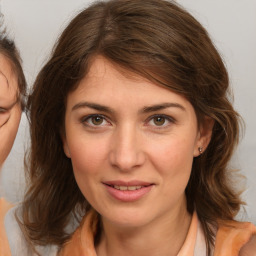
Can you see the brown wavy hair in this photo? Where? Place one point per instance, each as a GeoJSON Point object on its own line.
{"type": "Point", "coordinates": [161, 42]}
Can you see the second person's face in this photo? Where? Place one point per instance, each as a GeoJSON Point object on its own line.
{"type": "Point", "coordinates": [10, 109]}
{"type": "Point", "coordinates": [131, 144]}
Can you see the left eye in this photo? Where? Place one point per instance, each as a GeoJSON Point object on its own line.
{"type": "Point", "coordinates": [95, 120]}
{"type": "Point", "coordinates": [160, 121]}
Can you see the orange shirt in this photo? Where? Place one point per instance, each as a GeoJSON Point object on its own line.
{"type": "Point", "coordinates": [4, 246]}
{"type": "Point", "coordinates": [232, 239]}
{"type": "Point", "coordinates": [229, 239]}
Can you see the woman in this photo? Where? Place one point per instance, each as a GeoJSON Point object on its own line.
{"type": "Point", "coordinates": [12, 90]}
{"type": "Point", "coordinates": [131, 132]}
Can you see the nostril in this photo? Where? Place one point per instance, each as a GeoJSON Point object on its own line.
{"type": "Point", "coordinates": [127, 160]}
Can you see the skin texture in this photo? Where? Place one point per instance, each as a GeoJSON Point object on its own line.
{"type": "Point", "coordinates": [10, 109]}
{"type": "Point", "coordinates": [128, 143]}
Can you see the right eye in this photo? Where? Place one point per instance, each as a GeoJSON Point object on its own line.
{"type": "Point", "coordinates": [95, 121]}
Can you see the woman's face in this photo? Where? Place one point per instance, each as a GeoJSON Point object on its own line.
{"type": "Point", "coordinates": [10, 110]}
{"type": "Point", "coordinates": [131, 144]}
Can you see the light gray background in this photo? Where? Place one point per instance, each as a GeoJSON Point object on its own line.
{"type": "Point", "coordinates": [35, 25]}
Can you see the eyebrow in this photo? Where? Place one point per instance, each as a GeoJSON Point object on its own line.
{"type": "Point", "coordinates": [162, 106]}
{"type": "Point", "coordinates": [95, 106]}
{"type": "Point", "coordinates": [146, 109]}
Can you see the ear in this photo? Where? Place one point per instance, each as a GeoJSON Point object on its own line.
{"type": "Point", "coordinates": [204, 135]}
{"type": "Point", "coordinates": [65, 144]}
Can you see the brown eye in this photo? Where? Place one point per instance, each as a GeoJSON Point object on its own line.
{"type": "Point", "coordinates": [159, 120]}
{"type": "Point", "coordinates": [97, 120]}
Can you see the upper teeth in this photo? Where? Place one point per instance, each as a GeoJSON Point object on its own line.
{"type": "Point", "coordinates": [127, 187]}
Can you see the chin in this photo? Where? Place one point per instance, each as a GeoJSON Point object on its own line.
{"type": "Point", "coordinates": [127, 218]}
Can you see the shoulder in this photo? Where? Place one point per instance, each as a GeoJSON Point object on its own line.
{"type": "Point", "coordinates": [249, 249]}
{"type": "Point", "coordinates": [17, 241]}
{"type": "Point", "coordinates": [14, 234]}
{"type": "Point", "coordinates": [4, 207]}
{"type": "Point", "coordinates": [236, 238]}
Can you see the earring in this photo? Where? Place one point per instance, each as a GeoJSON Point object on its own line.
{"type": "Point", "coordinates": [200, 149]}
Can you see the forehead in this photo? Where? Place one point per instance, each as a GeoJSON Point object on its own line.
{"type": "Point", "coordinates": [109, 84]}
{"type": "Point", "coordinates": [6, 67]}
{"type": "Point", "coordinates": [8, 81]}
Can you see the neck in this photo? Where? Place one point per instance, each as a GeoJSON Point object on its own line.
{"type": "Point", "coordinates": [163, 236]}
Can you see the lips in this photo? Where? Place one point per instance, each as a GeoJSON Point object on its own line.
{"type": "Point", "coordinates": [128, 191]}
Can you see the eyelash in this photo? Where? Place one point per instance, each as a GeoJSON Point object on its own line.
{"type": "Point", "coordinates": [170, 120]}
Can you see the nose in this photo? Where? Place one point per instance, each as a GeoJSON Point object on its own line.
{"type": "Point", "coordinates": [127, 151]}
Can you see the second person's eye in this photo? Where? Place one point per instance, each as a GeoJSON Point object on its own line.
{"type": "Point", "coordinates": [2, 110]}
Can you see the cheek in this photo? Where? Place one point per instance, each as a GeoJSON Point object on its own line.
{"type": "Point", "coordinates": [87, 155]}
{"type": "Point", "coordinates": [6, 145]}
{"type": "Point", "coordinates": [3, 118]}
{"type": "Point", "coordinates": [8, 133]}
{"type": "Point", "coordinates": [173, 155]}
{"type": "Point", "coordinates": [173, 161]}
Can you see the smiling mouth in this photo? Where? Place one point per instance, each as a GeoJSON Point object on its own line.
{"type": "Point", "coordinates": [125, 188]}
{"type": "Point", "coordinates": [128, 191]}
